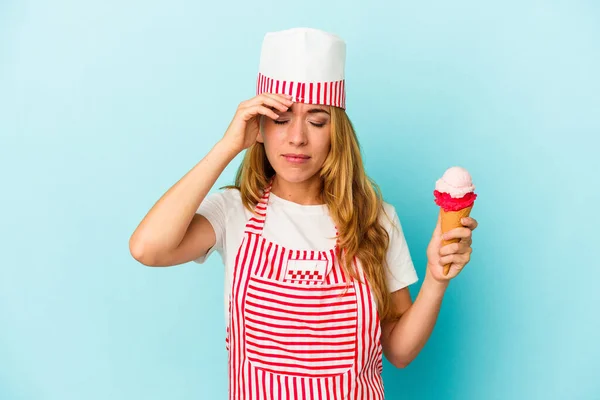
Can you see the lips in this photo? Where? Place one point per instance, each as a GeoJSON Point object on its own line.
{"type": "Point", "coordinates": [296, 158]}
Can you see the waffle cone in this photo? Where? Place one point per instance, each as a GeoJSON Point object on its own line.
{"type": "Point", "coordinates": [451, 220]}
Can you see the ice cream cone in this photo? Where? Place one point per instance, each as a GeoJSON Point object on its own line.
{"type": "Point", "coordinates": [455, 194]}
{"type": "Point", "coordinates": [451, 220]}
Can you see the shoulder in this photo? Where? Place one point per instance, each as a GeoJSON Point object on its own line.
{"type": "Point", "coordinates": [227, 194]}
{"type": "Point", "coordinates": [222, 205]}
{"type": "Point", "coordinates": [389, 219]}
{"type": "Point", "coordinates": [224, 198]}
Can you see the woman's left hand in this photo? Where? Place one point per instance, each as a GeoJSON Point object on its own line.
{"type": "Point", "coordinates": [456, 254]}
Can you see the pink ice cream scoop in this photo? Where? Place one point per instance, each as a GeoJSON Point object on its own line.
{"type": "Point", "coordinates": [454, 191]}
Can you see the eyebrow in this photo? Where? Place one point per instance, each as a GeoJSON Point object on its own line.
{"type": "Point", "coordinates": [311, 111]}
{"type": "Point", "coordinates": [317, 110]}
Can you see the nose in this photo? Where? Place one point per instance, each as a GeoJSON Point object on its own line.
{"type": "Point", "coordinates": [296, 133]}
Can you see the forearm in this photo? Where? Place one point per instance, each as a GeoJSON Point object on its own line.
{"type": "Point", "coordinates": [165, 225]}
{"type": "Point", "coordinates": [409, 334]}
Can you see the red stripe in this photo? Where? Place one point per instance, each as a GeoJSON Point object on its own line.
{"type": "Point", "coordinates": [299, 92]}
{"type": "Point", "coordinates": [257, 227]}
{"type": "Point", "coordinates": [238, 322]}
{"type": "Point", "coordinates": [234, 361]}
{"type": "Point", "coordinates": [318, 92]}
{"type": "Point", "coordinates": [271, 85]}
{"type": "Point", "coordinates": [302, 351]}
{"type": "Point", "coordinates": [363, 335]}
{"type": "Point", "coordinates": [303, 92]}
{"type": "Point", "coordinates": [261, 254]}
{"type": "Point", "coordinates": [256, 385]}
{"type": "Point", "coordinates": [291, 88]}
{"type": "Point", "coordinates": [295, 296]}
{"type": "Point", "coordinates": [250, 245]}
{"type": "Point", "coordinates": [248, 375]}
{"type": "Point", "coordinates": [301, 328]}
{"type": "Point", "coordinates": [335, 271]}
{"type": "Point", "coordinates": [272, 386]}
{"type": "Point", "coordinates": [279, 269]}
{"type": "Point", "coordinates": [277, 87]}
{"type": "Point", "coordinates": [299, 307]}
{"type": "Point", "coordinates": [278, 384]}
{"type": "Point", "coordinates": [267, 258]}
{"type": "Point", "coordinates": [305, 335]}
{"type": "Point", "coordinates": [264, 281]}
{"type": "Point", "coordinates": [335, 94]}
{"type": "Point", "coordinates": [250, 335]}
{"type": "Point", "coordinates": [269, 356]}
{"type": "Point", "coordinates": [275, 252]}
{"type": "Point", "coordinates": [310, 93]}
{"type": "Point", "coordinates": [277, 373]}
{"type": "Point", "coordinates": [283, 89]}
{"type": "Point", "coordinates": [260, 221]}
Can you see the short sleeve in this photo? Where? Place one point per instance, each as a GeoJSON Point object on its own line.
{"type": "Point", "coordinates": [213, 208]}
{"type": "Point", "coordinates": [400, 271]}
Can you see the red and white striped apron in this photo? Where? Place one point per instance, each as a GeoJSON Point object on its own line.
{"type": "Point", "coordinates": [296, 330]}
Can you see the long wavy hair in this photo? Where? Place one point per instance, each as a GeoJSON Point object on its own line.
{"type": "Point", "coordinates": [354, 201]}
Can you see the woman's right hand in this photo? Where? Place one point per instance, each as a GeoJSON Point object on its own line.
{"type": "Point", "coordinates": [245, 125]}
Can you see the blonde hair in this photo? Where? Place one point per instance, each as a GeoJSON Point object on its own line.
{"type": "Point", "coordinates": [353, 199]}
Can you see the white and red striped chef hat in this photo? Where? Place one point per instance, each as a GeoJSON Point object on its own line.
{"type": "Point", "coordinates": [305, 63]}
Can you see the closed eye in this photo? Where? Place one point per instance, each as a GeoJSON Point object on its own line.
{"type": "Point", "coordinates": [316, 124]}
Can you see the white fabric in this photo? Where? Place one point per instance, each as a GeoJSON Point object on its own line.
{"type": "Point", "coordinates": [297, 226]}
{"type": "Point", "coordinates": [303, 55]}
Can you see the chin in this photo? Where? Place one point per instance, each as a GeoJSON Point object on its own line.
{"type": "Point", "coordinates": [296, 176]}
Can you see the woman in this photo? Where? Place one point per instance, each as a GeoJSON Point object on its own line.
{"type": "Point", "coordinates": [317, 267]}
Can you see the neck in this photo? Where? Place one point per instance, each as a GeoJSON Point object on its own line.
{"type": "Point", "coordinates": [304, 193]}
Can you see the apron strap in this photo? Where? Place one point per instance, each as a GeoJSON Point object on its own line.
{"type": "Point", "coordinates": [256, 222]}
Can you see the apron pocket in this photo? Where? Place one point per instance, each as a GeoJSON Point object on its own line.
{"type": "Point", "coordinates": [300, 330]}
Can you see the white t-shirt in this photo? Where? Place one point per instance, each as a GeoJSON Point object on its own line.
{"type": "Point", "coordinates": [297, 226]}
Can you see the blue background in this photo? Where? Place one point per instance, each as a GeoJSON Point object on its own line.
{"type": "Point", "coordinates": [105, 104]}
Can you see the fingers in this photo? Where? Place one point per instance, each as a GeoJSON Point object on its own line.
{"type": "Point", "coordinates": [456, 248]}
{"type": "Point", "coordinates": [458, 233]}
{"type": "Point", "coordinates": [470, 223]}
{"type": "Point", "coordinates": [253, 111]}
{"type": "Point", "coordinates": [280, 102]}
{"type": "Point", "coordinates": [457, 260]}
